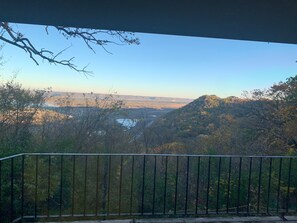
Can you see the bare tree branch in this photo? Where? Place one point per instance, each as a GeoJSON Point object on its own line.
{"type": "Point", "coordinates": [89, 36]}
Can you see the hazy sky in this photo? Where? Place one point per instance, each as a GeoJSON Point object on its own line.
{"type": "Point", "coordinates": [162, 65]}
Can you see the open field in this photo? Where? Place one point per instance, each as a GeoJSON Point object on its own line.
{"type": "Point", "coordinates": [130, 101]}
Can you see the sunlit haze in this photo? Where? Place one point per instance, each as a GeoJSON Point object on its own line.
{"type": "Point", "coordinates": [162, 65]}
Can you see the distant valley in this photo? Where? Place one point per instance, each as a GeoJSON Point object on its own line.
{"type": "Point", "coordinates": [129, 101]}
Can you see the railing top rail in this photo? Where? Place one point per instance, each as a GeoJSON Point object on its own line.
{"type": "Point", "coordinates": [12, 156]}
{"type": "Point", "coordinates": [151, 154]}
{"type": "Point", "coordinates": [143, 154]}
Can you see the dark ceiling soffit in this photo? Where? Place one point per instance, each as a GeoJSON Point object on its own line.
{"type": "Point", "coordinates": [257, 20]}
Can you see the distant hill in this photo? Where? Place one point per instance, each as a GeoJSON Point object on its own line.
{"type": "Point", "coordinates": [200, 116]}
{"type": "Point", "coordinates": [130, 101]}
{"type": "Point", "coordinates": [212, 125]}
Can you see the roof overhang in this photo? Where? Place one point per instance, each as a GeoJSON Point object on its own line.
{"type": "Point", "coordinates": [257, 20]}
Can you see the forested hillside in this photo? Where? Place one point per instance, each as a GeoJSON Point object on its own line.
{"type": "Point", "coordinates": [264, 122]}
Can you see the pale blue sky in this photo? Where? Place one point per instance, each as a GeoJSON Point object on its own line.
{"type": "Point", "coordinates": [162, 65]}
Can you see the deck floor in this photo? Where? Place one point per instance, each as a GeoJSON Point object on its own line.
{"type": "Point", "coordinates": [271, 219]}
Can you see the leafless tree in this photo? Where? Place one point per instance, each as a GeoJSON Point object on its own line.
{"type": "Point", "coordinates": [91, 37]}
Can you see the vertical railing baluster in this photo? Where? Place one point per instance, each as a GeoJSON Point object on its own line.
{"type": "Point", "coordinates": [259, 186]}
{"type": "Point", "coordinates": [49, 186]}
{"type": "Point", "coordinates": [97, 185]}
{"type": "Point", "coordinates": [154, 184]}
{"type": "Point", "coordinates": [143, 185]}
{"type": "Point", "coordinates": [108, 186]}
{"type": "Point", "coordinates": [61, 184]}
{"type": "Point", "coordinates": [208, 185]}
{"type": "Point", "coordinates": [12, 190]}
{"type": "Point", "coordinates": [269, 186]}
{"type": "Point", "coordinates": [279, 183]}
{"type": "Point", "coordinates": [218, 186]}
{"type": "Point", "coordinates": [295, 186]}
{"type": "Point", "coordinates": [197, 185]}
{"type": "Point", "coordinates": [228, 190]}
{"type": "Point", "coordinates": [36, 186]}
{"type": "Point", "coordinates": [85, 184]}
{"type": "Point", "coordinates": [187, 185]}
{"type": "Point", "coordinates": [120, 189]}
{"type": "Point", "coordinates": [73, 184]}
{"type": "Point", "coordinates": [132, 182]}
{"type": "Point", "coordinates": [1, 205]}
{"type": "Point", "coordinates": [22, 187]}
{"type": "Point", "coordinates": [165, 185]}
{"type": "Point", "coordinates": [288, 189]}
{"type": "Point", "coordinates": [176, 183]}
{"type": "Point", "coordinates": [249, 186]}
{"type": "Point", "coordinates": [238, 187]}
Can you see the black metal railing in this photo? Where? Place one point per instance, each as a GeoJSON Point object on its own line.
{"type": "Point", "coordinates": [90, 186]}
